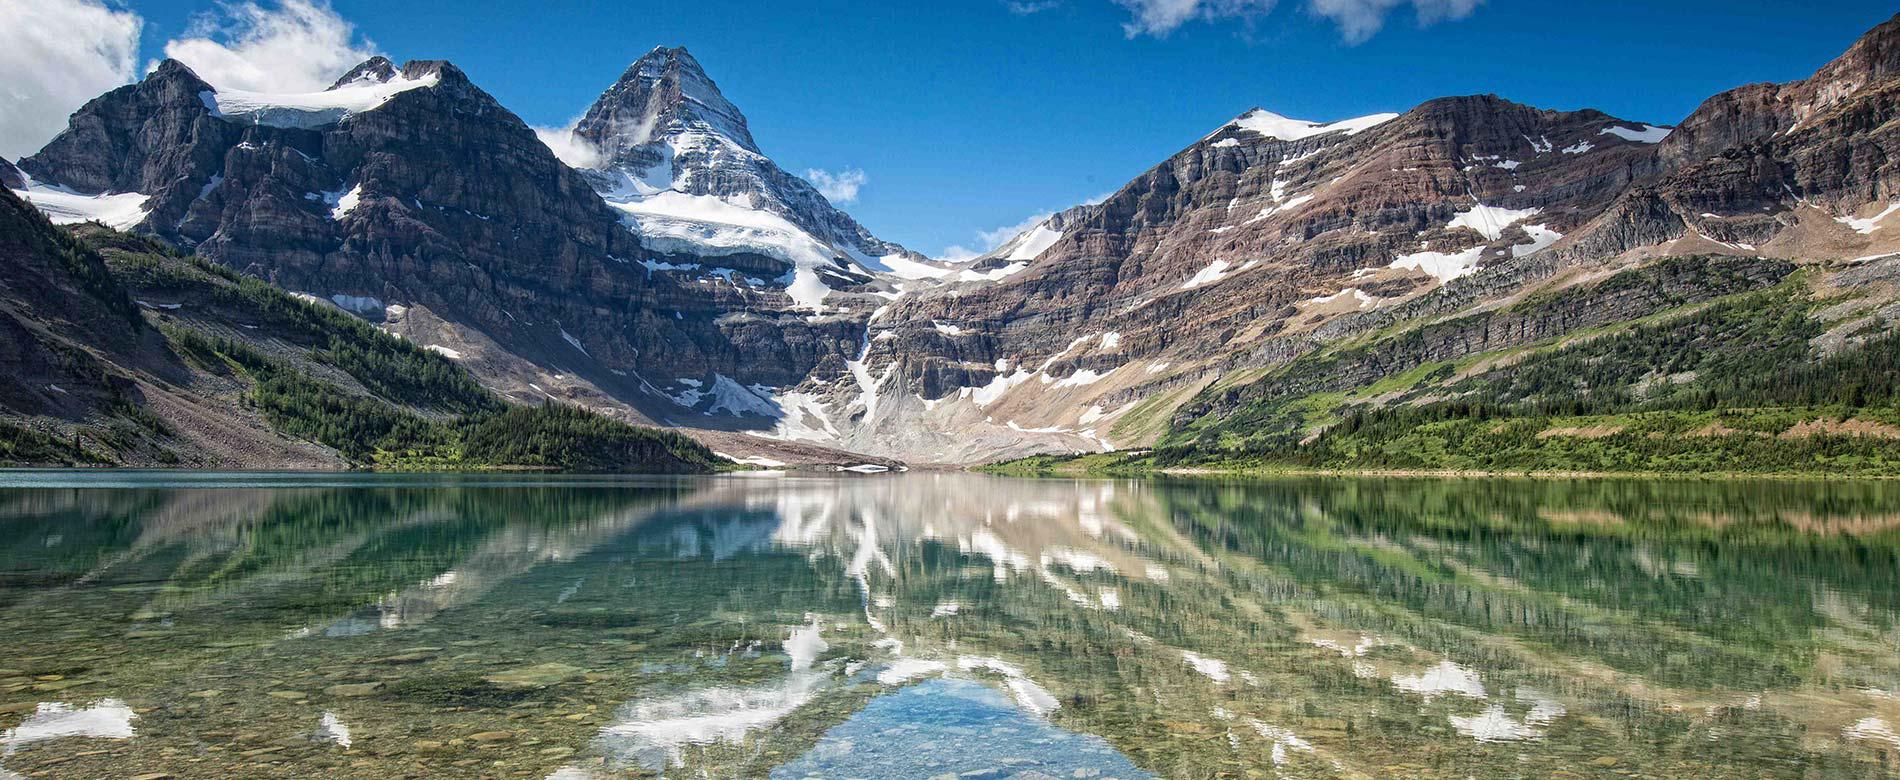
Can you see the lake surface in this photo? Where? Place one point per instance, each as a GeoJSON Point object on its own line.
{"type": "Point", "coordinates": [949, 625]}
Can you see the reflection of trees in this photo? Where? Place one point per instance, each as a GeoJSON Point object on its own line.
{"type": "Point", "coordinates": [1336, 625]}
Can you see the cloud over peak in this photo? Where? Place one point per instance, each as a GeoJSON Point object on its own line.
{"type": "Point", "coordinates": [58, 54]}
{"type": "Point", "coordinates": [296, 46]}
{"type": "Point", "coordinates": [841, 187]}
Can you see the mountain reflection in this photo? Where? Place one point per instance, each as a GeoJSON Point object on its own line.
{"type": "Point", "coordinates": [728, 627]}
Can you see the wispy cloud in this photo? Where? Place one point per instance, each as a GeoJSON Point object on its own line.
{"type": "Point", "coordinates": [1158, 18]}
{"type": "Point", "coordinates": [1027, 7]}
{"type": "Point", "coordinates": [56, 55]}
{"type": "Point", "coordinates": [841, 187]}
{"type": "Point", "coordinates": [1358, 20]}
{"type": "Point", "coordinates": [572, 149]}
{"type": "Point", "coordinates": [297, 46]}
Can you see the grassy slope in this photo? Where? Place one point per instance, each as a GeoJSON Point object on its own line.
{"type": "Point", "coordinates": [1727, 385]}
{"type": "Point", "coordinates": [317, 374]}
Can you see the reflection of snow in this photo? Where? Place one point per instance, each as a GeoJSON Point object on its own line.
{"type": "Point", "coordinates": [1496, 725]}
{"type": "Point", "coordinates": [1028, 694]}
{"type": "Point", "coordinates": [1365, 645]}
{"type": "Point", "coordinates": [1872, 729]}
{"type": "Point", "coordinates": [656, 732]}
{"type": "Point", "coordinates": [1283, 740]}
{"type": "Point", "coordinates": [108, 719]}
{"type": "Point", "coordinates": [1446, 677]}
{"type": "Point", "coordinates": [332, 729]}
{"type": "Point", "coordinates": [1214, 668]}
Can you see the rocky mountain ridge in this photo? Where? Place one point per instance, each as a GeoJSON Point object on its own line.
{"type": "Point", "coordinates": [669, 272]}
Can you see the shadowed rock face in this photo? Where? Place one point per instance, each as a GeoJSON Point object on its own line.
{"type": "Point", "coordinates": [10, 177]}
{"type": "Point", "coordinates": [439, 213]}
{"type": "Point", "coordinates": [438, 201]}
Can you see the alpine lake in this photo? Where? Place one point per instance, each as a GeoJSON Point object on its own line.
{"type": "Point", "coordinates": [939, 626]}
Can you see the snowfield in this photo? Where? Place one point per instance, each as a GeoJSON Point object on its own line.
{"type": "Point", "coordinates": [309, 110]}
{"type": "Point", "coordinates": [120, 211]}
{"type": "Point", "coordinates": [1273, 125]}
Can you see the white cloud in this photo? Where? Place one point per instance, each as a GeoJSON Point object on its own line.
{"type": "Point", "coordinates": [1160, 17]}
{"type": "Point", "coordinates": [958, 253]}
{"type": "Point", "coordinates": [841, 187]}
{"type": "Point", "coordinates": [572, 149]}
{"type": "Point", "coordinates": [1027, 7]}
{"type": "Point", "coordinates": [1359, 20]}
{"type": "Point", "coordinates": [58, 54]}
{"type": "Point", "coordinates": [299, 46]}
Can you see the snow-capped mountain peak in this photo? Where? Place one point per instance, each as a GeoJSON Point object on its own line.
{"type": "Point", "coordinates": [676, 157]}
{"type": "Point", "coordinates": [1272, 125]}
{"type": "Point", "coordinates": [662, 98]}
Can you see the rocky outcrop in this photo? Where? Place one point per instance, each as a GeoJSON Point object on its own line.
{"type": "Point", "coordinates": [1758, 111]}
{"type": "Point", "coordinates": [10, 177]}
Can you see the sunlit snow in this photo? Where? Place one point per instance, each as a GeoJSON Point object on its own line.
{"type": "Point", "coordinates": [1273, 125]}
{"type": "Point", "coordinates": [63, 206]}
{"type": "Point", "coordinates": [309, 110]}
{"type": "Point", "coordinates": [1650, 134]}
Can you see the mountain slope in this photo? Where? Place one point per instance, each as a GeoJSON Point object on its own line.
{"type": "Point", "coordinates": [123, 353]}
{"type": "Point", "coordinates": [666, 270]}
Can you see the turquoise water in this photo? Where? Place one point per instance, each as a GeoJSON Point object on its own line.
{"type": "Point", "coordinates": [281, 625]}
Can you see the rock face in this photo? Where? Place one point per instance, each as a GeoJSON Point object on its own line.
{"type": "Point", "coordinates": [664, 268]}
{"type": "Point", "coordinates": [10, 177]}
{"type": "Point", "coordinates": [665, 127]}
{"type": "Point", "coordinates": [410, 197]}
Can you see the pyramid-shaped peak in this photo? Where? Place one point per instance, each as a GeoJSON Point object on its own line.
{"type": "Point", "coordinates": [377, 69]}
{"type": "Point", "coordinates": [664, 94]}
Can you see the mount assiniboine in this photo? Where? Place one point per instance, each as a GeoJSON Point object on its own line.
{"type": "Point", "coordinates": [662, 269]}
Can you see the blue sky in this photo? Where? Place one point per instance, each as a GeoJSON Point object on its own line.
{"type": "Point", "coordinates": [969, 115]}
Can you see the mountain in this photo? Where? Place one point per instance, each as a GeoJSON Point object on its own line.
{"type": "Point", "coordinates": [1270, 281]}
{"type": "Point", "coordinates": [121, 352]}
{"type": "Point", "coordinates": [409, 197]}
{"type": "Point", "coordinates": [671, 152]}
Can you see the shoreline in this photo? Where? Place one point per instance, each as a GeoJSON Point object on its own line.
{"type": "Point", "coordinates": [1198, 472]}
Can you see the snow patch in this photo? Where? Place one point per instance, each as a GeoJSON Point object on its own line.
{"type": "Point", "coordinates": [1214, 272]}
{"type": "Point", "coordinates": [1273, 125]}
{"type": "Point", "coordinates": [1869, 225]}
{"type": "Point", "coordinates": [64, 206]}
{"type": "Point", "coordinates": [1033, 243]}
{"type": "Point", "coordinates": [1441, 265]}
{"type": "Point", "coordinates": [1650, 134]}
{"type": "Point", "coordinates": [309, 110]}
{"type": "Point", "coordinates": [342, 202]}
{"type": "Point", "coordinates": [1083, 377]}
{"type": "Point", "coordinates": [1490, 220]}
